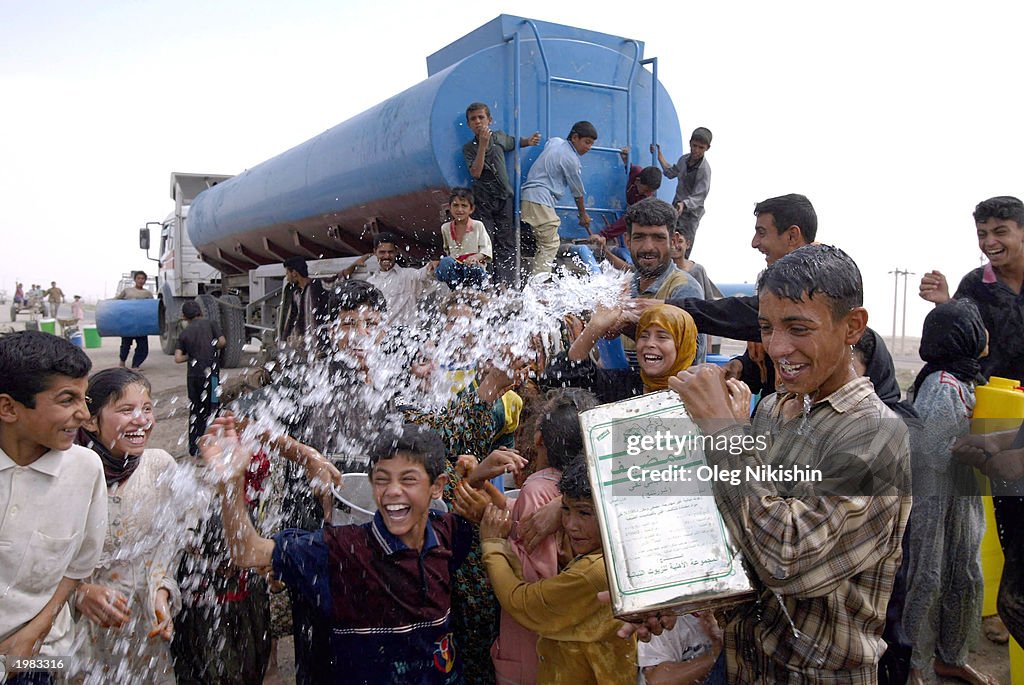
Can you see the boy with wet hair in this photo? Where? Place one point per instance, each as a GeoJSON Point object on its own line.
{"type": "Point", "coordinates": [385, 586]}
{"type": "Point", "coordinates": [694, 174]}
{"type": "Point", "coordinates": [47, 549]}
{"type": "Point", "coordinates": [825, 553]}
{"type": "Point", "coordinates": [578, 636]}
{"type": "Point", "coordinates": [554, 172]}
{"type": "Point", "coordinates": [485, 159]}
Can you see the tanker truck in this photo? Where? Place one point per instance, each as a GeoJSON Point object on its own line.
{"type": "Point", "coordinates": [390, 168]}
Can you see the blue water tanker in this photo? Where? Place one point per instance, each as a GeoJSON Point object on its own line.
{"type": "Point", "coordinates": [390, 167]}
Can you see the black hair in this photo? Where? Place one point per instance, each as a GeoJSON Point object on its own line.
{"type": "Point", "coordinates": [353, 294]}
{"type": "Point", "coordinates": [651, 212]}
{"type": "Point", "coordinates": [30, 359]}
{"type": "Point", "coordinates": [385, 237]}
{"type": "Point", "coordinates": [191, 310]}
{"type": "Point", "coordinates": [650, 176]}
{"type": "Point", "coordinates": [140, 272]}
{"type": "Point", "coordinates": [575, 482]}
{"type": "Point", "coordinates": [474, 299]}
{"type": "Point", "coordinates": [701, 135]}
{"type": "Point", "coordinates": [1000, 207]}
{"type": "Point", "coordinates": [474, 106]}
{"type": "Point", "coordinates": [559, 423]}
{"type": "Point", "coordinates": [812, 270]}
{"type": "Point", "coordinates": [297, 264]}
{"type": "Point", "coordinates": [791, 210]}
{"type": "Point", "coordinates": [420, 444]}
{"type": "Point", "coordinates": [109, 385]}
{"type": "Point", "coordinates": [865, 348]}
{"type": "Point", "coordinates": [464, 193]}
{"type": "Point", "coordinates": [583, 129]}
{"type": "Point", "coordinates": [687, 229]}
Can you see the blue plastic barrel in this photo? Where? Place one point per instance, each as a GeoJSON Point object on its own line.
{"type": "Point", "coordinates": [127, 318]}
{"type": "Point", "coordinates": [78, 339]}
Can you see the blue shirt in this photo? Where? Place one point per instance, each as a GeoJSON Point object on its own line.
{"type": "Point", "coordinates": [556, 170]}
{"type": "Point", "coordinates": [387, 606]}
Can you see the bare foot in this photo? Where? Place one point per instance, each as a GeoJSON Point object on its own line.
{"type": "Point", "coordinates": [995, 630]}
{"type": "Point", "coordinates": [966, 673]}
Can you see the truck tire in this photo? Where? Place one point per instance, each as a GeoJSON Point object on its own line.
{"type": "Point", "coordinates": [170, 322]}
{"type": "Point", "coordinates": [232, 326]}
{"type": "Point", "coordinates": [210, 307]}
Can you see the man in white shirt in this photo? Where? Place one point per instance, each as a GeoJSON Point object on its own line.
{"type": "Point", "coordinates": [403, 288]}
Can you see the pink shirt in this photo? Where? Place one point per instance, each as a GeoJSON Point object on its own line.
{"type": "Point", "coordinates": [514, 653]}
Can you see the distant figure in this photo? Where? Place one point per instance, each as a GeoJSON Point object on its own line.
{"type": "Point", "coordinates": [19, 294]}
{"type": "Point", "coordinates": [136, 292]}
{"type": "Point", "coordinates": [77, 310]}
{"type": "Point", "coordinates": [555, 171]}
{"type": "Point", "coordinates": [54, 297]}
{"type": "Point", "coordinates": [694, 174]}
{"type": "Point", "coordinates": [199, 345]}
{"type": "Point", "coordinates": [303, 301]}
{"type": "Point", "coordinates": [485, 158]}
{"type": "Point", "coordinates": [641, 183]}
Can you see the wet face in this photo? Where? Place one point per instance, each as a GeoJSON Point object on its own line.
{"type": "Point", "coordinates": [403, 490]}
{"type": "Point", "coordinates": [460, 209]}
{"type": "Point", "coordinates": [124, 424]}
{"type": "Point", "coordinates": [580, 524]}
{"type": "Point", "coordinates": [650, 249]}
{"type": "Point", "coordinates": [479, 120]}
{"type": "Point", "coordinates": [59, 412]}
{"type": "Point", "coordinates": [769, 242]}
{"type": "Point", "coordinates": [697, 150]}
{"type": "Point", "coordinates": [1001, 241]}
{"type": "Point", "coordinates": [810, 350]}
{"type": "Point", "coordinates": [140, 281]}
{"type": "Point", "coordinates": [386, 254]}
{"type": "Point", "coordinates": [581, 143]}
{"type": "Point", "coordinates": [655, 350]}
{"type": "Point", "coordinates": [356, 332]}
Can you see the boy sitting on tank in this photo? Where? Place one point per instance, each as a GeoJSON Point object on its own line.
{"type": "Point", "coordinates": [384, 587]}
{"type": "Point", "coordinates": [485, 158]}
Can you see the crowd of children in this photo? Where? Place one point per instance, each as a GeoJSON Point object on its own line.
{"type": "Point", "coordinates": [143, 568]}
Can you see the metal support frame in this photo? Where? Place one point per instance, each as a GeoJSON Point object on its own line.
{"type": "Point", "coordinates": [548, 80]}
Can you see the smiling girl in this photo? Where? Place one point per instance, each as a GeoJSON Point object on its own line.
{"type": "Point", "coordinates": [128, 603]}
{"type": "Point", "coordinates": [666, 343]}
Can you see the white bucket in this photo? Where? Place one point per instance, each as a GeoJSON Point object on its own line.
{"type": "Point", "coordinates": [354, 503]}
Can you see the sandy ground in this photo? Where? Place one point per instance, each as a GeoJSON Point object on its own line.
{"type": "Point", "coordinates": [168, 381]}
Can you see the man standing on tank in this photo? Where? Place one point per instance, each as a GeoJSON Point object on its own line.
{"type": "Point", "coordinates": [492, 191]}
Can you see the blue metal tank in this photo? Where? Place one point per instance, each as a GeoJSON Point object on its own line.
{"type": "Point", "coordinates": [390, 167]}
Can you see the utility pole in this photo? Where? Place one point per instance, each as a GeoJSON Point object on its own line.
{"type": "Point", "coordinates": [903, 335]}
{"type": "Point", "coordinates": [895, 303]}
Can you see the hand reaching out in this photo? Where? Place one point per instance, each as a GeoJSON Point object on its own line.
{"type": "Point", "coordinates": [102, 605]}
{"type": "Point", "coordinates": [496, 523]}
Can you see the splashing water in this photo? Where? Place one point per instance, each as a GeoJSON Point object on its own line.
{"type": "Point", "coordinates": [805, 416]}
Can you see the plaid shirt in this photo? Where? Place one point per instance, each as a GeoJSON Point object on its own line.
{"type": "Point", "coordinates": [825, 562]}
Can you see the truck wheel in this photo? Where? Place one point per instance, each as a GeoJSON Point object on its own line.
{"type": "Point", "coordinates": [232, 322]}
{"type": "Point", "coordinates": [170, 322]}
{"type": "Point", "coordinates": [210, 307]}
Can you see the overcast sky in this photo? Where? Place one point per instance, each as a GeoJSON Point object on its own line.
{"type": "Point", "coordinates": [895, 118]}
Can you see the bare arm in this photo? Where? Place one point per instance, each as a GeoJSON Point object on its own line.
{"type": "Point", "coordinates": [600, 323]}
{"type": "Point", "coordinates": [227, 459]}
{"type": "Point", "coordinates": [483, 140]}
{"type": "Point", "coordinates": [27, 640]}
